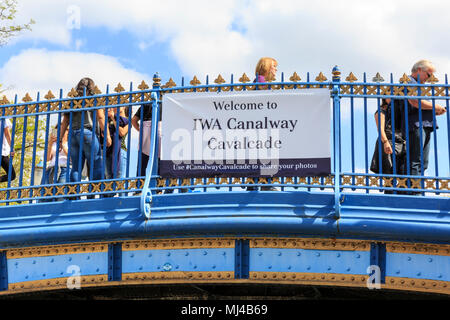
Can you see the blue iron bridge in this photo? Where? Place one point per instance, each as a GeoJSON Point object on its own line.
{"type": "Point", "coordinates": [352, 228]}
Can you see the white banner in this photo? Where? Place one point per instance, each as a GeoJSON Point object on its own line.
{"type": "Point", "coordinates": [246, 133]}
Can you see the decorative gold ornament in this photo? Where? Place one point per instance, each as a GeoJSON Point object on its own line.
{"type": "Point", "coordinates": [27, 98]}
{"type": "Point", "coordinates": [219, 80]}
{"type": "Point", "coordinates": [351, 77]}
{"type": "Point", "coordinates": [432, 79]}
{"type": "Point", "coordinates": [404, 78]}
{"type": "Point", "coordinates": [49, 95]}
{"type": "Point", "coordinates": [144, 86]}
{"type": "Point", "coordinates": [119, 88]}
{"type": "Point", "coordinates": [295, 77]}
{"type": "Point", "coordinates": [244, 79]}
{"type": "Point", "coordinates": [194, 81]}
{"type": "Point", "coordinates": [72, 93]}
{"type": "Point", "coordinates": [321, 77]}
{"type": "Point", "coordinates": [169, 84]}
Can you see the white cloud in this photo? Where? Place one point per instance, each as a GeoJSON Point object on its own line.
{"type": "Point", "coordinates": [39, 70]}
{"type": "Point", "coordinates": [212, 37]}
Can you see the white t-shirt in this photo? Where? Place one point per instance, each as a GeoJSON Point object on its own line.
{"type": "Point", "coordinates": [62, 157]}
{"type": "Point", "coordinates": [6, 148]}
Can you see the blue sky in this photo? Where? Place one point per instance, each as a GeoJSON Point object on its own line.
{"type": "Point", "coordinates": [114, 41]}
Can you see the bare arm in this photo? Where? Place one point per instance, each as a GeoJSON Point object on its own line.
{"type": "Point", "coordinates": [123, 131]}
{"type": "Point", "coordinates": [384, 139]}
{"type": "Point", "coordinates": [64, 125]}
{"type": "Point", "coordinates": [135, 123]}
{"type": "Point", "coordinates": [101, 122]}
{"type": "Point", "coordinates": [50, 147]}
{"type": "Point", "coordinates": [427, 105]}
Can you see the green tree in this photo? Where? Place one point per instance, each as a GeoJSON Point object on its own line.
{"type": "Point", "coordinates": [7, 27]}
{"type": "Point", "coordinates": [29, 142]}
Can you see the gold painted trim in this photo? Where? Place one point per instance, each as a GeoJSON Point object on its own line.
{"type": "Point", "coordinates": [350, 181]}
{"type": "Point", "coordinates": [418, 248]}
{"type": "Point", "coordinates": [314, 279]}
{"type": "Point", "coordinates": [422, 285]}
{"type": "Point", "coordinates": [332, 279]}
{"type": "Point", "coordinates": [318, 244]}
{"type": "Point", "coordinates": [76, 189]}
{"type": "Point", "coordinates": [56, 250]}
{"type": "Point", "coordinates": [178, 244]}
{"type": "Point", "coordinates": [53, 284]}
{"type": "Point", "coordinates": [180, 276]}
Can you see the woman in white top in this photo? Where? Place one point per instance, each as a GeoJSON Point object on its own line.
{"type": "Point", "coordinates": [7, 154]}
{"type": "Point", "coordinates": [49, 175]}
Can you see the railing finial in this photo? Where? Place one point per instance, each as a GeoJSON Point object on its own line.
{"type": "Point", "coordinates": [336, 74]}
{"type": "Point", "coordinates": [156, 81]}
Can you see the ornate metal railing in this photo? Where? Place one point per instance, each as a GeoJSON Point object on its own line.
{"type": "Point", "coordinates": [354, 134]}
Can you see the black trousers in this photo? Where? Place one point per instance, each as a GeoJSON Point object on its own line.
{"type": "Point", "coordinates": [5, 166]}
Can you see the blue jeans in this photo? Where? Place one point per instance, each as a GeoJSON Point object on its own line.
{"type": "Point", "coordinates": [91, 147]}
{"type": "Point", "coordinates": [123, 163]}
{"type": "Point", "coordinates": [48, 178]}
{"type": "Point", "coordinates": [112, 166]}
{"type": "Point", "coordinates": [415, 149]}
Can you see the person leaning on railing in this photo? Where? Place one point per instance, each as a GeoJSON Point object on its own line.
{"type": "Point", "coordinates": [145, 124]}
{"type": "Point", "coordinates": [60, 169]}
{"type": "Point", "coordinates": [266, 70]}
{"type": "Point", "coordinates": [83, 135]}
{"type": "Point", "coordinates": [48, 176]}
{"type": "Point", "coordinates": [421, 72]}
{"type": "Point", "coordinates": [124, 112]}
{"type": "Point", "coordinates": [113, 151]}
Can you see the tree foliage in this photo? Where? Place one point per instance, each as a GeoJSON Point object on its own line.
{"type": "Point", "coordinates": [8, 28]}
{"type": "Point", "coordinates": [23, 134]}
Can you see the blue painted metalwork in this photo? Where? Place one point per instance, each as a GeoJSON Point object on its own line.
{"type": "Point", "coordinates": [115, 262]}
{"type": "Point", "coordinates": [418, 266]}
{"type": "Point", "coordinates": [242, 259]}
{"type": "Point", "coordinates": [177, 260]}
{"type": "Point", "coordinates": [309, 261]}
{"type": "Point", "coordinates": [3, 271]}
{"type": "Point", "coordinates": [378, 258]}
{"type": "Point", "coordinates": [57, 266]}
{"type": "Point", "coordinates": [152, 168]}
{"type": "Point", "coordinates": [337, 140]}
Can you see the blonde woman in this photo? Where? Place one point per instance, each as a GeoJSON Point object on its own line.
{"type": "Point", "coordinates": [266, 69]}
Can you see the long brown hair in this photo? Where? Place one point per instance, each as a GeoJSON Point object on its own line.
{"type": "Point", "coordinates": [88, 84]}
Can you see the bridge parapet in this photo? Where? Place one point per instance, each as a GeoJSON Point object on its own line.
{"type": "Point", "coordinates": [374, 213]}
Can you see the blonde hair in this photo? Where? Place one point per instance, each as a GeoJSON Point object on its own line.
{"type": "Point", "coordinates": [263, 66]}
